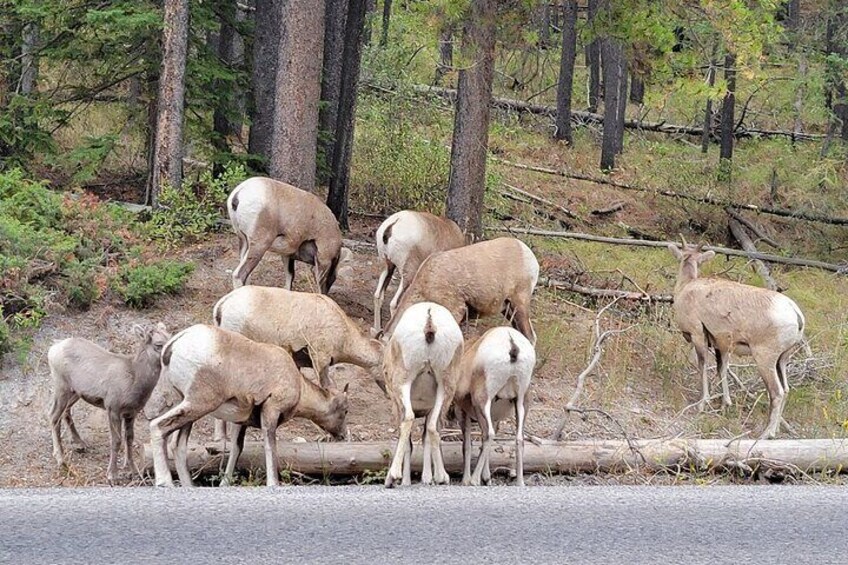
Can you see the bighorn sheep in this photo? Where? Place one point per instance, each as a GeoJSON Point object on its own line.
{"type": "Point", "coordinates": [223, 373]}
{"type": "Point", "coordinates": [270, 215]}
{"type": "Point", "coordinates": [495, 374]}
{"type": "Point", "coordinates": [312, 327]}
{"type": "Point", "coordinates": [404, 240]}
{"type": "Point", "coordinates": [482, 279]}
{"type": "Point", "coordinates": [119, 383]}
{"type": "Point", "coordinates": [420, 367]}
{"type": "Point", "coordinates": [736, 318]}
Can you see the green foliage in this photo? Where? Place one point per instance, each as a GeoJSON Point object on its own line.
{"type": "Point", "coordinates": [188, 214]}
{"type": "Point", "coordinates": [140, 285]}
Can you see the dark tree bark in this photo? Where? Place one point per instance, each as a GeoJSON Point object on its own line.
{"type": "Point", "coordinates": [298, 90]}
{"type": "Point", "coordinates": [708, 111]}
{"type": "Point", "coordinates": [593, 61]}
{"type": "Point", "coordinates": [566, 71]}
{"type": "Point", "coordinates": [369, 13]}
{"type": "Point", "coordinates": [445, 52]}
{"type": "Point", "coordinates": [222, 117]}
{"type": "Point", "coordinates": [837, 43]}
{"type": "Point", "coordinates": [637, 88]}
{"type": "Point", "coordinates": [728, 107]}
{"type": "Point", "coordinates": [263, 79]}
{"type": "Point", "coordinates": [337, 197]}
{"type": "Point", "coordinates": [331, 81]}
{"type": "Point", "coordinates": [793, 17]}
{"type": "Point", "coordinates": [545, 24]}
{"type": "Point", "coordinates": [471, 119]}
{"type": "Point", "coordinates": [29, 58]}
{"type": "Point", "coordinates": [615, 101]}
{"type": "Point", "coordinates": [168, 149]}
{"type": "Point", "coordinates": [387, 15]}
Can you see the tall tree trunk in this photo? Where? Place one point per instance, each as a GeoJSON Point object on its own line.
{"type": "Point", "coordinates": [593, 60]}
{"type": "Point", "coordinates": [263, 79]}
{"type": "Point", "coordinates": [337, 198]}
{"type": "Point", "coordinates": [222, 125]}
{"type": "Point", "coordinates": [838, 45]}
{"type": "Point", "coordinates": [793, 18]}
{"type": "Point", "coordinates": [369, 13]}
{"type": "Point", "coordinates": [387, 15]}
{"type": "Point", "coordinates": [708, 110]}
{"type": "Point", "coordinates": [728, 107]}
{"type": "Point", "coordinates": [471, 119]}
{"type": "Point", "coordinates": [544, 24]}
{"type": "Point", "coordinates": [301, 47]}
{"type": "Point", "coordinates": [151, 86]}
{"type": "Point", "coordinates": [637, 88]}
{"type": "Point", "coordinates": [29, 58]}
{"type": "Point", "coordinates": [615, 101]}
{"type": "Point", "coordinates": [445, 52]}
{"type": "Point", "coordinates": [335, 20]}
{"type": "Point", "coordinates": [168, 149]}
{"type": "Point", "coordinates": [566, 71]}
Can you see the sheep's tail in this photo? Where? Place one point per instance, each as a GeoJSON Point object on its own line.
{"type": "Point", "coordinates": [216, 311]}
{"type": "Point", "coordinates": [513, 350]}
{"type": "Point", "coordinates": [429, 328]}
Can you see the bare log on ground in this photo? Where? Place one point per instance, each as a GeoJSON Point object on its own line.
{"type": "Point", "coordinates": [545, 202]}
{"type": "Point", "coordinates": [344, 459]}
{"type": "Point", "coordinates": [593, 118]}
{"type": "Point", "coordinates": [604, 292]}
{"type": "Point", "coordinates": [738, 231]}
{"type": "Point", "coordinates": [755, 229]}
{"type": "Point", "coordinates": [607, 210]}
{"type": "Point", "coordinates": [839, 269]}
{"type": "Point", "coordinates": [782, 212]}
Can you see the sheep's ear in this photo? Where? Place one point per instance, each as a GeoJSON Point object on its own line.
{"type": "Point", "coordinates": [345, 255]}
{"type": "Point", "coordinates": [678, 254]}
{"type": "Point", "coordinates": [139, 332]}
{"type": "Point", "coordinates": [705, 256]}
{"type": "Point", "coordinates": [161, 327]}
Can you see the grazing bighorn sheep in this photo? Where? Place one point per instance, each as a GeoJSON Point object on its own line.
{"type": "Point", "coordinates": [312, 327]}
{"type": "Point", "coordinates": [495, 375]}
{"type": "Point", "coordinates": [404, 240]}
{"type": "Point", "coordinates": [482, 279]}
{"type": "Point", "coordinates": [223, 373]}
{"type": "Point", "coordinates": [421, 370]}
{"type": "Point", "coordinates": [731, 317]}
{"type": "Point", "coordinates": [119, 383]}
{"type": "Point", "coordinates": [271, 215]}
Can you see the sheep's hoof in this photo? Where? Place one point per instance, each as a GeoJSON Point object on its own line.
{"type": "Point", "coordinates": [79, 447]}
{"type": "Point", "coordinates": [374, 332]}
{"type": "Point", "coordinates": [167, 484]}
{"type": "Point", "coordinates": [390, 482]}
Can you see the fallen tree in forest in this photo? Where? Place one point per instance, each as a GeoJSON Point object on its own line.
{"type": "Point", "coordinates": [584, 456]}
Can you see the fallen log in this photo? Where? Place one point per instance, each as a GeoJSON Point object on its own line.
{"type": "Point", "coordinates": [545, 202]}
{"type": "Point", "coordinates": [741, 236]}
{"type": "Point", "coordinates": [839, 269]}
{"type": "Point", "coordinates": [580, 116]}
{"type": "Point", "coordinates": [604, 292]}
{"type": "Point", "coordinates": [585, 456]}
{"type": "Point", "coordinates": [782, 212]}
{"type": "Point", "coordinates": [755, 229]}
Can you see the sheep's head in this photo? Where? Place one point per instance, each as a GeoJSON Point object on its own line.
{"type": "Point", "coordinates": [335, 420]}
{"type": "Point", "coordinates": [691, 257]}
{"type": "Point", "coordinates": [156, 336]}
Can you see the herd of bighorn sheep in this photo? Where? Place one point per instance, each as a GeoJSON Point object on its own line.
{"type": "Point", "coordinates": [245, 367]}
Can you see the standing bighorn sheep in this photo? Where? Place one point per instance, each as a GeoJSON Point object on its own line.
{"type": "Point", "coordinates": [421, 370]}
{"type": "Point", "coordinates": [483, 279]}
{"type": "Point", "coordinates": [731, 317]}
{"type": "Point", "coordinates": [495, 375]}
{"type": "Point", "coordinates": [223, 373]}
{"type": "Point", "coordinates": [119, 383]}
{"type": "Point", "coordinates": [404, 240]}
{"type": "Point", "coordinates": [271, 215]}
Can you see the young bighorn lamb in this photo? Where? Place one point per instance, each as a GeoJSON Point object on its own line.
{"type": "Point", "coordinates": [482, 279]}
{"type": "Point", "coordinates": [119, 383]}
{"type": "Point", "coordinates": [223, 373]}
{"type": "Point", "coordinates": [736, 318]}
{"type": "Point", "coordinates": [312, 327]}
{"type": "Point", "coordinates": [272, 215]}
{"type": "Point", "coordinates": [495, 375]}
{"type": "Point", "coordinates": [404, 240]}
{"type": "Point", "coordinates": [420, 368]}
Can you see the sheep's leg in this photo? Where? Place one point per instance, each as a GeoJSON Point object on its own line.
{"type": "Point", "coordinates": [701, 353]}
{"type": "Point", "coordinates": [181, 456]}
{"type": "Point", "coordinates": [767, 367]}
{"type": "Point", "coordinates": [164, 426]}
{"type": "Point", "coordinates": [427, 457]}
{"type": "Point", "coordinates": [517, 310]}
{"type": "Point", "coordinates": [57, 411]}
{"type": "Point", "coordinates": [465, 425]}
{"type": "Point", "coordinates": [255, 251]}
{"type": "Point", "coordinates": [79, 444]}
{"type": "Point", "coordinates": [321, 365]}
{"type": "Point", "coordinates": [723, 362]}
{"type": "Point", "coordinates": [488, 429]}
{"type": "Point", "coordinates": [382, 284]}
{"type": "Point", "coordinates": [396, 298]}
{"type": "Point", "coordinates": [237, 444]}
{"type": "Point", "coordinates": [407, 465]}
{"type": "Point", "coordinates": [129, 440]}
{"type": "Point", "coordinates": [440, 475]}
{"type": "Point", "coordinates": [270, 419]}
{"type": "Point", "coordinates": [220, 433]}
{"type": "Point", "coordinates": [289, 261]}
{"type": "Point", "coordinates": [396, 469]}
{"type": "Point", "coordinates": [115, 445]}
{"type": "Point", "coordinates": [520, 414]}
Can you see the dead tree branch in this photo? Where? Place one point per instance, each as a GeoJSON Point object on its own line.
{"type": "Point", "coordinates": [738, 231]}
{"type": "Point", "coordinates": [755, 229]}
{"type": "Point", "coordinates": [604, 292]}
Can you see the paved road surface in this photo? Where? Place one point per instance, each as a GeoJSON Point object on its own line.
{"type": "Point", "coordinates": [439, 525]}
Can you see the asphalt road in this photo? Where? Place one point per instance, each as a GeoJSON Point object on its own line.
{"type": "Point", "coordinates": [426, 525]}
